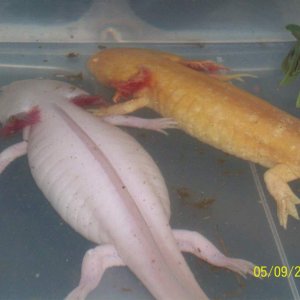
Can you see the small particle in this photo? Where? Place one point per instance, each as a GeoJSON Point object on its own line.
{"type": "Point", "coordinates": [37, 275]}
{"type": "Point", "coordinates": [101, 47]}
{"type": "Point", "coordinates": [72, 54]}
{"type": "Point", "coordinates": [183, 193]}
{"type": "Point", "coordinates": [186, 197]}
{"type": "Point", "coordinates": [256, 89]}
{"type": "Point", "coordinates": [205, 202]}
{"type": "Point", "coordinates": [45, 60]}
{"type": "Point", "coordinates": [78, 76]}
{"type": "Point", "coordinates": [200, 151]}
{"type": "Point", "coordinates": [221, 161]}
{"type": "Point", "coordinates": [126, 289]}
{"type": "Point", "coordinates": [232, 172]}
{"type": "Point", "coordinates": [200, 45]}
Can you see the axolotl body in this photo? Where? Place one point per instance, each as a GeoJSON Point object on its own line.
{"type": "Point", "coordinates": [208, 108]}
{"type": "Point", "coordinates": [107, 187]}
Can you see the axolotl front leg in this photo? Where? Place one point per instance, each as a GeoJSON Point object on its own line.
{"type": "Point", "coordinates": [11, 153]}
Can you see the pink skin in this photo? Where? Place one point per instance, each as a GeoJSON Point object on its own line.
{"type": "Point", "coordinates": [104, 184]}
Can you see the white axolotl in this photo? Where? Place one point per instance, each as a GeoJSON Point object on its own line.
{"type": "Point", "coordinates": [107, 187]}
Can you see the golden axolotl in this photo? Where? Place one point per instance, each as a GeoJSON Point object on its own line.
{"type": "Point", "coordinates": [212, 110]}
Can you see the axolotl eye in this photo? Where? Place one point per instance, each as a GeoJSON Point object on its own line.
{"type": "Point", "coordinates": [20, 121]}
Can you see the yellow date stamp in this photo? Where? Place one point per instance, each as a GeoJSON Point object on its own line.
{"type": "Point", "coordinates": [276, 271]}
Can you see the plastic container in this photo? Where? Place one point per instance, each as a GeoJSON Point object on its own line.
{"type": "Point", "coordinates": [218, 195]}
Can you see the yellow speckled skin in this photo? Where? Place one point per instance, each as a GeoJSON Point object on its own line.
{"type": "Point", "coordinates": [214, 111]}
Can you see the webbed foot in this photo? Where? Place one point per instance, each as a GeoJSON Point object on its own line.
{"type": "Point", "coordinates": [276, 180]}
{"type": "Point", "coordinates": [94, 264]}
{"type": "Point", "coordinates": [197, 244]}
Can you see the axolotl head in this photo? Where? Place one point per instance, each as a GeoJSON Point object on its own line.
{"type": "Point", "coordinates": [20, 101]}
{"type": "Point", "coordinates": [22, 96]}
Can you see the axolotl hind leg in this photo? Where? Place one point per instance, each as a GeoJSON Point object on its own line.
{"type": "Point", "coordinates": [97, 260]}
{"type": "Point", "coordinates": [94, 264]}
{"type": "Point", "coordinates": [277, 179]}
{"type": "Point", "coordinates": [197, 244]}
